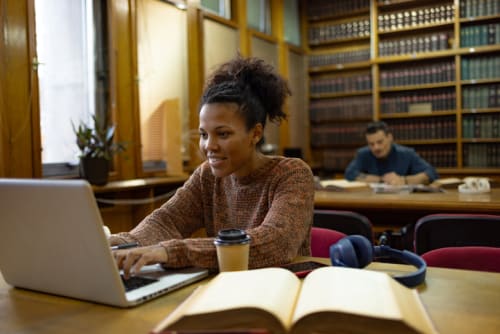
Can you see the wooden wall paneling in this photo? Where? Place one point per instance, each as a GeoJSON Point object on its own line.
{"type": "Point", "coordinates": [196, 70]}
{"type": "Point", "coordinates": [278, 31]}
{"type": "Point", "coordinates": [124, 99]}
{"type": "Point", "coordinates": [172, 132]}
{"type": "Point", "coordinates": [16, 91]}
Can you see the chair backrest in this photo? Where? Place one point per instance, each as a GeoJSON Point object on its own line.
{"type": "Point", "coordinates": [467, 257]}
{"type": "Point", "coordinates": [453, 230]}
{"type": "Point", "coordinates": [347, 222]}
{"type": "Point", "coordinates": [322, 239]}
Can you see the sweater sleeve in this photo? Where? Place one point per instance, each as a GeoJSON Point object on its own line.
{"type": "Point", "coordinates": [285, 232]}
{"type": "Point", "coordinates": [178, 218]}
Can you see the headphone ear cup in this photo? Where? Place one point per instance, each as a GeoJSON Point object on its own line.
{"type": "Point", "coordinates": [363, 249]}
{"type": "Point", "coordinates": [343, 254]}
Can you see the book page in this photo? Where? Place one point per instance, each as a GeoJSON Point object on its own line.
{"type": "Point", "coordinates": [272, 289]}
{"type": "Point", "coordinates": [179, 311]}
{"type": "Point", "coordinates": [343, 184]}
{"type": "Point", "coordinates": [414, 313]}
{"type": "Point", "coordinates": [347, 289]}
{"type": "Point", "coordinates": [358, 292]}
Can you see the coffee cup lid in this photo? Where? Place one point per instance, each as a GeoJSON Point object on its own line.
{"type": "Point", "coordinates": [232, 236]}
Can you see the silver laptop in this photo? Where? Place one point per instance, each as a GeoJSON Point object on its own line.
{"type": "Point", "coordinates": [52, 240]}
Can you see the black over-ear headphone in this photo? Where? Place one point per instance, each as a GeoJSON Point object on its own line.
{"type": "Point", "coordinates": [356, 251]}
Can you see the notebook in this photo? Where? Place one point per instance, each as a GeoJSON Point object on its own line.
{"type": "Point", "coordinates": [52, 240]}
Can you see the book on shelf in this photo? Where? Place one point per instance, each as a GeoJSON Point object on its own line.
{"type": "Point", "coordinates": [274, 300]}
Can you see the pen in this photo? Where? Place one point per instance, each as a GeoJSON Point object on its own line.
{"type": "Point", "coordinates": [125, 246]}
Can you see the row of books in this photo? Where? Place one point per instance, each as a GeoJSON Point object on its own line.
{"type": "Point", "coordinates": [441, 156]}
{"type": "Point", "coordinates": [338, 134]}
{"type": "Point", "coordinates": [481, 96]}
{"type": "Point", "coordinates": [405, 102]}
{"type": "Point", "coordinates": [468, 8]}
{"type": "Point", "coordinates": [474, 155]}
{"type": "Point", "coordinates": [347, 83]}
{"type": "Point", "coordinates": [473, 8]}
{"type": "Point", "coordinates": [481, 126]}
{"type": "Point", "coordinates": [337, 159]}
{"type": "Point", "coordinates": [443, 71]}
{"type": "Point", "coordinates": [484, 67]}
{"type": "Point", "coordinates": [334, 32]}
{"type": "Point", "coordinates": [482, 34]}
{"type": "Point", "coordinates": [324, 8]}
{"type": "Point", "coordinates": [416, 44]}
{"type": "Point", "coordinates": [351, 56]}
{"type": "Point", "coordinates": [415, 17]}
{"type": "Point", "coordinates": [424, 129]}
{"type": "Point", "coordinates": [481, 155]}
{"type": "Point", "coordinates": [347, 108]}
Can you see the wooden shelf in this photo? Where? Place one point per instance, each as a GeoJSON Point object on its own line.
{"type": "Point", "coordinates": [329, 95]}
{"type": "Point", "coordinates": [419, 28]}
{"type": "Point", "coordinates": [416, 87]}
{"type": "Point", "coordinates": [416, 115]}
{"type": "Point", "coordinates": [340, 67]}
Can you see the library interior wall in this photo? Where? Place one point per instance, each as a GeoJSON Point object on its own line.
{"type": "Point", "coordinates": [221, 44]}
{"type": "Point", "coordinates": [297, 104]}
{"type": "Point", "coordinates": [269, 52]}
{"type": "Point", "coordinates": [162, 69]}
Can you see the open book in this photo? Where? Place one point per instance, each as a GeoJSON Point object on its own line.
{"type": "Point", "coordinates": [340, 185]}
{"type": "Point", "coordinates": [328, 300]}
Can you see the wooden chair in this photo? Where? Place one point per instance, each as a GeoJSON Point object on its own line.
{"type": "Point", "coordinates": [347, 222]}
{"type": "Point", "coordinates": [456, 230]}
{"type": "Point", "coordinates": [467, 257]}
{"type": "Point", "coordinates": [322, 239]}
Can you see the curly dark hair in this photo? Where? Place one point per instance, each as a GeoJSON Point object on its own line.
{"type": "Point", "coordinates": [258, 90]}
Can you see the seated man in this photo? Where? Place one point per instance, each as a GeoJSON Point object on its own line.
{"type": "Point", "coordinates": [382, 160]}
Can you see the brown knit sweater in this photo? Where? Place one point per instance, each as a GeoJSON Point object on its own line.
{"type": "Point", "coordinates": [274, 205]}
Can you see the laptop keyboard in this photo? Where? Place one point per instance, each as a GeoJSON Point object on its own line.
{"type": "Point", "coordinates": [136, 282]}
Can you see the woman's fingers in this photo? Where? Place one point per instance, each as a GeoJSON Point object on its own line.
{"type": "Point", "coordinates": [131, 261]}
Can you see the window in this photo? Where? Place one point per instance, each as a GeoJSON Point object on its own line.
{"type": "Point", "coordinates": [292, 22]}
{"type": "Point", "coordinates": [72, 74]}
{"type": "Point", "coordinates": [259, 15]}
{"type": "Point", "coordinates": [218, 7]}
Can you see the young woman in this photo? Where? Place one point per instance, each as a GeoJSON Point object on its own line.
{"type": "Point", "coordinates": [270, 197]}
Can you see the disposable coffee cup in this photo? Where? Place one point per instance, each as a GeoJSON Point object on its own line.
{"type": "Point", "coordinates": [233, 247]}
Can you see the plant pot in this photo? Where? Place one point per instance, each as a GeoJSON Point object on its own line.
{"type": "Point", "coordinates": [94, 170]}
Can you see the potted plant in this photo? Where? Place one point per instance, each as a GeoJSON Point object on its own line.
{"type": "Point", "coordinates": [96, 149]}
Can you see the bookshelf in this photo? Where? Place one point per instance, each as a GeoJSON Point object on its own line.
{"type": "Point", "coordinates": [430, 69]}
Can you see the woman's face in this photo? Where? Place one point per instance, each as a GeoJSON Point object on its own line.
{"type": "Point", "coordinates": [225, 142]}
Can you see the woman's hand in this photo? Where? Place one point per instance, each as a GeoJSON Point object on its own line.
{"type": "Point", "coordinates": [132, 260]}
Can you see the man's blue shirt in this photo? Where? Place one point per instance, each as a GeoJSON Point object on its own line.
{"type": "Point", "coordinates": [401, 160]}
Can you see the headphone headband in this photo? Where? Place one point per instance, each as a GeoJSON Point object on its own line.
{"type": "Point", "coordinates": [411, 279]}
{"type": "Point", "coordinates": [356, 251]}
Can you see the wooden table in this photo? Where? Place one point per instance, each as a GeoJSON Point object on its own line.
{"type": "Point", "coordinates": [458, 301]}
{"type": "Point", "coordinates": [392, 211]}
